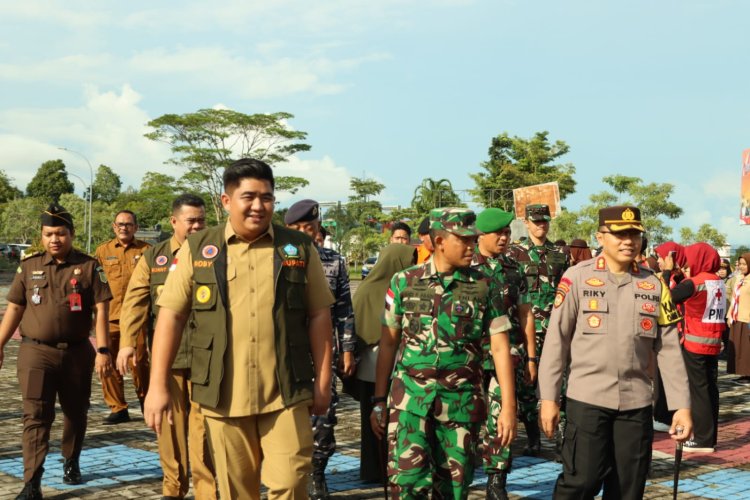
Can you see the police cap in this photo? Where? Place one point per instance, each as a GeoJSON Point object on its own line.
{"type": "Point", "coordinates": [302, 211]}
{"type": "Point", "coordinates": [621, 218]}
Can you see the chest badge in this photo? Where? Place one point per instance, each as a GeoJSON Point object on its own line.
{"type": "Point", "coordinates": [647, 324]}
{"type": "Point", "coordinates": [648, 307]}
{"type": "Point", "coordinates": [291, 252]}
{"type": "Point", "coordinates": [161, 260]}
{"type": "Point", "coordinates": [209, 251]}
{"type": "Point", "coordinates": [36, 298]}
{"type": "Point", "coordinates": [594, 305]}
{"type": "Point", "coordinates": [203, 294]}
{"type": "Point", "coordinates": [645, 285]}
{"type": "Point", "coordinates": [77, 271]}
{"type": "Point", "coordinates": [595, 321]}
{"type": "Point", "coordinates": [594, 282]}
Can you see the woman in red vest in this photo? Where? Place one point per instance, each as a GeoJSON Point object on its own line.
{"type": "Point", "coordinates": [703, 297]}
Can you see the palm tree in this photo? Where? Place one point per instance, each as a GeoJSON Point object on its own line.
{"type": "Point", "coordinates": [434, 194]}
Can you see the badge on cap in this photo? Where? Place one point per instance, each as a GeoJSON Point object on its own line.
{"type": "Point", "coordinates": [628, 215]}
{"type": "Point", "coordinates": [203, 294]}
{"type": "Point", "coordinates": [291, 251]}
{"type": "Point", "coordinates": [209, 251]}
{"type": "Point", "coordinates": [161, 260]}
{"type": "Point", "coordinates": [595, 321]}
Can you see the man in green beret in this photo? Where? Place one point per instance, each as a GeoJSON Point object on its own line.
{"type": "Point", "coordinates": [494, 224]}
{"type": "Point", "coordinates": [444, 309]}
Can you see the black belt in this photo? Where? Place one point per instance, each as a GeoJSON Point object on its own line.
{"type": "Point", "coordinates": [56, 345]}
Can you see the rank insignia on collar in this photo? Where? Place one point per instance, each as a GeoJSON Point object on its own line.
{"type": "Point", "coordinates": [209, 251]}
{"type": "Point", "coordinates": [645, 285]}
{"type": "Point", "coordinates": [601, 264]}
{"type": "Point", "coordinates": [161, 260]}
{"type": "Point", "coordinates": [291, 251]}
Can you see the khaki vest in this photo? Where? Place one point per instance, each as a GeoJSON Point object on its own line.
{"type": "Point", "coordinates": [208, 324]}
{"type": "Point", "coordinates": [158, 276]}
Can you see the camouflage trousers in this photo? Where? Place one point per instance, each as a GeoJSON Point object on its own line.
{"type": "Point", "coordinates": [430, 456]}
{"type": "Point", "coordinates": [324, 440]}
{"type": "Point", "coordinates": [495, 457]}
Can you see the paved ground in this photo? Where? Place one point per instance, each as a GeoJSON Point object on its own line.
{"type": "Point", "coordinates": [122, 461]}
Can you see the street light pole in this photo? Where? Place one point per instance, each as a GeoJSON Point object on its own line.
{"type": "Point", "coordinates": [91, 193]}
{"type": "Point", "coordinates": [85, 206]}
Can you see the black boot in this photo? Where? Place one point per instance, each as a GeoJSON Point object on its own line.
{"type": "Point", "coordinates": [33, 489]}
{"type": "Point", "coordinates": [533, 439]}
{"type": "Point", "coordinates": [71, 471]}
{"type": "Point", "coordinates": [496, 486]}
{"type": "Point", "coordinates": [318, 488]}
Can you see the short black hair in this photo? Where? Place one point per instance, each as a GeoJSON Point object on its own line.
{"type": "Point", "coordinates": [323, 231]}
{"type": "Point", "coordinates": [129, 212]}
{"type": "Point", "coordinates": [424, 226]}
{"type": "Point", "coordinates": [401, 226]}
{"type": "Point", "coordinates": [188, 199]}
{"type": "Point", "coordinates": [247, 168]}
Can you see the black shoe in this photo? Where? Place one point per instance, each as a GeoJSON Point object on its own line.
{"type": "Point", "coordinates": [31, 491]}
{"type": "Point", "coordinates": [71, 471]}
{"type": "Point", "coordinates": [496, 486]}
{"type": "Point", "coordinates": [117, 417]}
{"type": "Point", "coordinates": [318, 489]}
{"type": "Point", "coordinates": [533, 439]}
{"type": "Point", "coordinates": [170, 498]}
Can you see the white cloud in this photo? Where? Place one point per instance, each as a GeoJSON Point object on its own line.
{"type": "Point", "coordinates": [54, 12]}
{"type": "Point", "coordinates": [328, 181]}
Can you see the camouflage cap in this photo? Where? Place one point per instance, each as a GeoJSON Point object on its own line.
{"type": "Point", "coordinates": [459, 221]}
{"type": "Point", "coordinates": [538, 212]}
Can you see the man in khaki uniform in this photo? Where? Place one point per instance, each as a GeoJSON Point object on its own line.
{"type": "Point", "coordinates": [260, 335]}
{"type": "Point", "coordinates": [118, 257]}
{"type": "Point", "coordinates": [609, 316]}
{"type": "Point", "coordinates": [186, 434]}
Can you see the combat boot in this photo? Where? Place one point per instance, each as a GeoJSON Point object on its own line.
{"type": "Point", "coordinates": [33, 489]}
{"type": "Point", "coordinates": [318, 489]}
{"type": "Point", "coordinates": [71, 471]}
{"type": "Point", "coordinates": [533, 439]}
{"type": "Point", "coordinates": [496, 486]}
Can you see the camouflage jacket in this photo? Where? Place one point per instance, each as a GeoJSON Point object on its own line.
{"type": "Point", "coordinates": [443, 320]}
{"type": "Point", "coordinates": [342, 313]}
{"type": "Point", "coordinates": [543, 267]}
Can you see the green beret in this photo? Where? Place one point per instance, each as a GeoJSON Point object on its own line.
{"type": "Point", "coordinates": [490, 220]}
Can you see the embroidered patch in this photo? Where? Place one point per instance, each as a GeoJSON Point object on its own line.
{"type": "Point", "coordinates": [173, 266]}
{"type": "Point", "coordinates": [594, 305]}
{"type": "Point", "coordinates": [559, 298]}
{"type": "Point", "coordinates": [293, 263]}
{"type": "Point", "coordinates": [594, 282]}
{"type": "Point", "coordinates": [209, 251]}
{"type": "Point", "coordinates": [102, 274]}
{"type": "Point", "coordinates": [291, 252]}
{"type": "Point", "coordinates": [203, 294]}
{"type": "Point", "coordinates": [648, 307]}
{"type": "Point", "coordinates": [601, 264]}
{"type": "Point", "coordinates": [161, 260]}
{"type": "Point", "coordinates": [202, 263]}
{"type": "Point", "coordinates": [18, 270]}
{"type": "Point", "coordinates": [647, 324]}
{"type": "Point", "coordinates": [645, 285]}
{"type": "Point", "coordinates": [595, 321]}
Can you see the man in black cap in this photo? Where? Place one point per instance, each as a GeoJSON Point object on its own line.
{"type": "Point", "coordinates": [53, 297]}
{"type": "Point", "coordinates": [304, 216]}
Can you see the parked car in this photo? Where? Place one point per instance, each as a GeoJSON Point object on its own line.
{"type": "Point", "coordinates": [368, 265]}
{"type": "Point", "coordinates": [10, 251]}
{"type": "Point", "coordinates": [5, 251]}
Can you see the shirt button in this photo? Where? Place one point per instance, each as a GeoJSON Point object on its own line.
{"type": "Point", "coordinates": [252, 339]}
{"type": "Point", "coordinates": [252, 314]}
{"type": "Point", "coordinates": [252, 290]}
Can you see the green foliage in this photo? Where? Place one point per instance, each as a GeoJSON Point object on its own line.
{"type": "Point", "coordinates": [362, 242]}
{"type": "Point", "coordinates": [8, 191]}
{"type": "Point", "coordinates": [152, 203]}
{"type": "Point", "coordinates": [101, 223]}
{"type": "Point", "coordinates": [706, 233]}
{"type": "Point", "coordinates": [20, 220]}
{"type": "Point", "coordinates": [737, 253]}
{"type": "Point", "coordinates": [107, 185]}
{"type": "Point", "coordinates": [360, 207]}
{"type": "Point", "coordinates": [206, 141]}
{"type": "Point", "coordinates": [516, 162]}
{"type": "Point", "coordinates": [434, 194]}
{"type": "Point", "coordinates": [50, 181]}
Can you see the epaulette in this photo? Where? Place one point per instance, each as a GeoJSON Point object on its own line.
{"type": "Point", "coordinates": [33, 254]}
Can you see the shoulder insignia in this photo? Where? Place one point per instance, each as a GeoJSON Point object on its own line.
{"type": "Point", "coordinates": [562, 290]}
{"type": "Point", "coordinates": [19, 270]}
{"type": "Point", "coordinates": [102, 274]}
{"type": "Point", "coordinates": [209, 251]}
{"type": "Point", "coordinates": [594, 282]}
{"type": "Point", "coordinates": [645, 285]}
{"type": "Point", "coordinates": [601, 264]}
{"type": "Point", "coordinates": [161, 260]}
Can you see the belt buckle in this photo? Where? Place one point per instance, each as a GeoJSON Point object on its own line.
{"type": "Point", "coordinates": [62, 345]}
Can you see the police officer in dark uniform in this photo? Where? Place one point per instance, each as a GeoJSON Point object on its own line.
{"type": "Point", "coordinates": [305, 216]}
{"type": "Point", "coordinates": [52, 298]}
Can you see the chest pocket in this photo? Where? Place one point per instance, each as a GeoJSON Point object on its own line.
{"type": "Point", "coordinates": [647, 314]}
{"type": "Point", "coordinates": [532, 276]}
{"type": "Point", "coordinates": [595, 315]}
{"type": "Point", "coordinates": [464, 312]}
{"type": "Point", "coordinates": [205, 290]}
{"type": "Point", "coordinates": [555, 266]}
{"type": "Point", "coordinates": [40, 288]}
{"type": "Point", "coordinates": [112, 268]}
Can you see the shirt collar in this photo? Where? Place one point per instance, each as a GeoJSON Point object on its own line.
{"type": "Point", "coordinates": [230, 234]}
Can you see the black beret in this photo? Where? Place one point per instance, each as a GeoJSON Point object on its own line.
{"type": "Point", "coordinates": [302, 211]}
{"type": "Point", "coordinates": [424, 226]}
{"type": "Point", "coordinates": [56, 216]}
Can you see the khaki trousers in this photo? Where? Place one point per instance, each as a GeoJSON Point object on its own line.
{"type": "Point", "coordinates": [112, 385]}
{"type": "Point", "coordinates": [184, 443]}
{"type": "Point", "coordinates": [275, 448]}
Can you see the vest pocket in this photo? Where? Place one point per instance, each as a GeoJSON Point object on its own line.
{"type": "Point", "coordinates": [295, 288]}
{"type": "Point", "coordinates": [302, 364]}
{"type": "Point", "coordinates": [201, 349]}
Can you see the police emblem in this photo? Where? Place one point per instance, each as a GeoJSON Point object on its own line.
{"type": "Point", "coordinates": [290, 251]}
{"type": "Point", "coordinates": [595, 321]}
{"type": "Point", "coordinates": [645, 285]}
{"type": "Point", "coordinates": [648, 307]}
{"type": "Point", "coordinates": [209, 251]}
{"type": "Point", "coordinates": [203, 294]}
{"type": "Point", "coordinates": [559, 297]}
{"type": "Point", "coordinates": [594, 282]}
{"type": "Point", "coordinates": [161, 260]}
{"type": "Point", "coordinates": [628, 215]}
{"type": "Point", "coordinates": [458, 308]}
{"type": "Point", "coordinates": [594, 305]}
{"type": "Point", "coordinates": [647, 324]}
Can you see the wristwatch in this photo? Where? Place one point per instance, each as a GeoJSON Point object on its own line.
{"type": "Point", "coordinates": [102, 350]}
{"type": "Point", "coordinates": [534, 359]}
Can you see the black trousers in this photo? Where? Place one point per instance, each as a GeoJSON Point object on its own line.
{"type": "Point", "coordinates": [703, 374]}
{"type": "Point", "coordinates": [372, 450]}
{"type": "Point", "coordinates": [605, 447]}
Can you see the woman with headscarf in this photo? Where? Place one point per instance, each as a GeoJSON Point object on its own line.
{"type": "Point", "coordinates": [579, 251]}
{"type": "Point", "coordinates": [738, 351]}
{"type": "Point", "coordinates": [703, 299]}
{"type": "Point", "coordinates": [369, 302]}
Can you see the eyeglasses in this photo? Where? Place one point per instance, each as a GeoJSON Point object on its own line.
{"type": "Point", "coordinates": [124, 225]}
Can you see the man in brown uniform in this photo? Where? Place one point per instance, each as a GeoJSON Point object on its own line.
{"type": "Point", "coordinates": [118, 257]}
{"type": "Point", "coordinates": [186, 434]}
{"type": "Point", "coordinates": [609, 316]}
{"type": "Point", "coordinates": [52, 298]}
{"type": "Point", "coordinates": [259, 309]}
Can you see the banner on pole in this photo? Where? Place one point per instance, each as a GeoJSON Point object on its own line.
{"type": "Point", "coordinates": [547, 194]}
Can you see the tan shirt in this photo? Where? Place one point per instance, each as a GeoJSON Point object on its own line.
{"type": "Point", "coordinates": [118, 262]}
{"type": "Point", "coordinates": [136, 307]}
{"type": "Point", "coordinates": [249, 385]}
{"type": "Point", "coordinates": [743, 311]}
{"type": "Point", "coordinates": [605, 327]}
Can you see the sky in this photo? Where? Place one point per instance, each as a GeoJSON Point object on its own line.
{"type": "Point", "coordinates": [394, 90]}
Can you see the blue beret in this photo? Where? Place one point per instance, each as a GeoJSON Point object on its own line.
{"type": "Point", "coordinates": [302, 211]}
{"type": "Point", "coordinates": [493, 219]}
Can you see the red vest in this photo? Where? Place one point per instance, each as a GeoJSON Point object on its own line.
{"type": "Point", "coordinates": [705, 314]}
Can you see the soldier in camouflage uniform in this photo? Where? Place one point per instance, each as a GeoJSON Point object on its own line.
{"type": "Point", "coordinates": [543, 265]}
{"type": "Point", "coordinates": [304, 216]}
{"type": "Point", "coordinates": [491, 259]}
{"type": "Point", "coordinates": [437, 315]}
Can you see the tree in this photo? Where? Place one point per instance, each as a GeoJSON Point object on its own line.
{"type": "Point", "coordinates": [20, 219]}
{"type": "Point", "coordinates": [152, 203]}
{"type": "Point", "coordinates": [434, 194]}
{"type": "Point", "coordinates": [737, 253]}
{"type": "Point", "coordinates": [361, 208]}
{"type": "Point", "coordinates": [8, 191]}
{"type": "Point", "coordinates": [50, 181]}
{"type": "Point", "coordinates": [706, 233]}
{"type": "Point", "coordinates": [207, 141]}
{"type": "Point", "coordinates": [516, 162]}
{"type": "Point", "coordinates": [101, 223]}
{"type": "Point", "coordinates": [107, 185]}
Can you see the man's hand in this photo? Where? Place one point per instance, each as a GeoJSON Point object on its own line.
{"type": "Point", "coordinates": [103, 365]}
{"type": "Point", "coordinates": [549, 417]}
{"type": "Point", "coordinates": [531, 373]}
{"type": "Point", "coordinates": [506, 426]}
{"type": "Point", "coordinates": [156, 404]}
{"type": "Point", "coordinates": [346, 364]}
{"type": "Point", "coordinates": [683, 419]}
{"type": "Point", "coordinates": [377, 421]}
{"type": "Point", "coordinates": [125, 359]}
{"type": "Point", "coordinates": [321, 399]}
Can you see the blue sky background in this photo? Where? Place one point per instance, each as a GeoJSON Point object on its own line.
{"type": "Point", "coordinates": [395, 90]}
